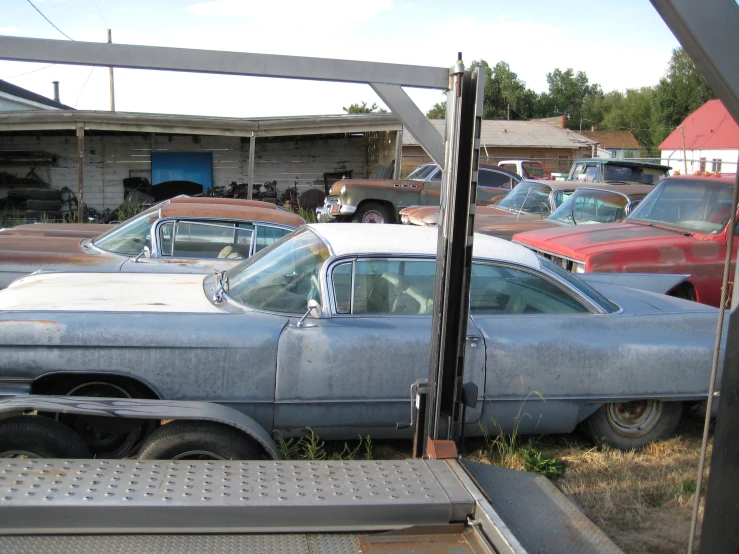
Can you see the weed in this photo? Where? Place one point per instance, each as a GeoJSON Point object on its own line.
{"type": "Point", "coordinates": [541, 463]}
{"type": "Point", "coordinates": [311, 447]}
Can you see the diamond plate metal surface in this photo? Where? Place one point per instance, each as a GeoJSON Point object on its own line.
{"type": "Point", "coordinates": [96, 496]}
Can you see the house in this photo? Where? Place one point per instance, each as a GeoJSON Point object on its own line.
{"type": "Point", "coordinates": [14, 98]}
{"type": "Point", "coordinates": [710, 138]}
{"type": "Point", "coordinates": [505, 140]}
{"type": "Point", "coordinates": [613, 144]}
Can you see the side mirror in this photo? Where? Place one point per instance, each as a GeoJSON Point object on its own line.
{"type": "Point", "coordinates": [145, 252]}
{"type": "Point", "coordinates": [314, 310]}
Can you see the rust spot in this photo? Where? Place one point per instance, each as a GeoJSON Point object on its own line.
{"type": "Point", "coordinates": [230, 211]}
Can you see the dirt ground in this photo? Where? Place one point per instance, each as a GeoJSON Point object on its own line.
{"type": "Point", "coordinates": [642, 500]}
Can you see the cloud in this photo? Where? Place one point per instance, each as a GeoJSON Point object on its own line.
{"type": "Point", "coordinates": [326, 11]}
{"type": "Point", "coordinates": [9, 30]}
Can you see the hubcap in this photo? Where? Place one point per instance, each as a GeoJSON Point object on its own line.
{"type": "Point", "coordinates": [373, 216]}
{"type": "Point", "coordinates": [634, 419]}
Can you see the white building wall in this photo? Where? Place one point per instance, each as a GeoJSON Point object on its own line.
{"type": "Point", "coordinates": [674, 158]}
{"type": "Point", "coordinates": [110, 159]}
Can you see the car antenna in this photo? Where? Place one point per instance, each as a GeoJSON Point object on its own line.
{"type": "Point", "coordinates": [528, 190]}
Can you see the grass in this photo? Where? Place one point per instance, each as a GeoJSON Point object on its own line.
{"type": "Point", "coordinates": [310, 447]}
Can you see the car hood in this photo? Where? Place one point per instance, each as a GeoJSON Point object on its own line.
{"type": "Point", "coordinates": [108, 292]}
{"type": "Point", "coordinates": [580, 241]}
{"type": "Point", "coordinates": [507, 228]}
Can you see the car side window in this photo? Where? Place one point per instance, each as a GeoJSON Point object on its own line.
{"type": "Point", "coordinates": [488, 178]}
{"type": "Point", "coordinates": [342, 279]}
{"type": "Point", "coordinates": [212, 240]}
{"type": "Point", "coordinates": [501, 290]}
{"type": "Point", "coordinates": [266, 235]}
{"type": "Point", "coordinates": [387, 286]}
{"type": "Point", "coordinates": [435, 176]}
{"type": "Point", "coordinates": [165, 238]}
{"type": "Point", "coordinates": [590, 175]}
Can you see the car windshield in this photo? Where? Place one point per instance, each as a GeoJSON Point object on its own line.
{"type": "Point", "coordinates": [282, 277]}
{"type": "Point", "coordinates": [422, 173]}
{"type": "Point", "coordinates": [591, 206]}
{"type": "Point", "coordinates": [690, 204]}
{"type": "Point", "coordinates": [527, 197]}
{"type": "Point", "coordinates": [130, 237]}
{"type": "Point", "coordinates": [646, 175]}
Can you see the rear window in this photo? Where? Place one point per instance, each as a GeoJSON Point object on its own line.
{"type": "Point", "coordinates": [534, 170]}
{"type": "Point", "coordinates": [646, 175]}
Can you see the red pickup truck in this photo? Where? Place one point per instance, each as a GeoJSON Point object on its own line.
{"type": "Point", "coordinates": [680, 227]}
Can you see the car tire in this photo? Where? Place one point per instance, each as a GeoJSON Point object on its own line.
{"type": "Point", "coordinates": [199, 440]}
{"type": "Point", "coordinates": [372, 212]}
{"type": "Point", "coordinates": [633, 425]}
{"type": "Point", "coordinates": [39, 437]}
{"type": "Point", "coordinates": [44, 194]}
{"type": "Point", "coordinates": [44, 205]}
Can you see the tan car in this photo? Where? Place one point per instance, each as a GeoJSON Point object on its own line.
{"type": "Point", "coordinates": [181, 235]}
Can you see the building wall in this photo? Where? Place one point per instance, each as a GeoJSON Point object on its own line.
{"type": "Point", "coordinates": [109, 159]}
{"type": "Point", "coordinates": [8, 105]}
{"type": "Point", "coordinates": [556, 159]}
{"type": "Point", "coordinates": [674, 158]}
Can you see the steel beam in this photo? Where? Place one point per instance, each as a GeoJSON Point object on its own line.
{"type": "Point", "coordinates": [225, 63]}
{"type": "Point", "coordinates": [707, 30]}
{"type": "Point", "coordinates": [413, 119]}
{"type": "Point", "coordinates": [250, 174]}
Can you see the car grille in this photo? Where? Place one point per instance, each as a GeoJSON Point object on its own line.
{"type": "Point", "coordinates": [564, 263]}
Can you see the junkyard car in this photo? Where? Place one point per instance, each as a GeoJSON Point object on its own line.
{"type": "Point", "coordinates": [681, 227]}
{"type": "Point", "coordinates": [528, 169]}
{"type": "Point", "coordinates": [620, 361]}
{"type": "Point", "coordinates": [597, 170]}
{"type": "Point", "coordinates": [585, 206]}
{"type": "Point", "coordinates": [379, 200]}
{"type": "Point", "coordinates": [529, 200]}
{"type": "Point", "coordinates": [180, 235]}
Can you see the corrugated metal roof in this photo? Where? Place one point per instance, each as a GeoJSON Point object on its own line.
{"type": "Point", "coordinates": [518, 134]}
{"type": "Point", "coordinates": [710, 127]}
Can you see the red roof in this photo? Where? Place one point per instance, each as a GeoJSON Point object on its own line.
{"type": "Point", "coordinates": [710, 127]}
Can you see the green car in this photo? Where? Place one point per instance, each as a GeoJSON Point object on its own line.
{"type": "Point", "coordinates": [613, 171]}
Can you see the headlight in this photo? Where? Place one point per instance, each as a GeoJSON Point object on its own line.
{"type": "Point", "coordinates": [342, 192]}
{"type": "Point", "coordinates": [404, 219]}
{"type": "Point", "coordinates": [578, 268]}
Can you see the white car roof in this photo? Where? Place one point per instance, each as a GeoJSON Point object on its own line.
{"type": "Point", "coordinates": [367, 238]}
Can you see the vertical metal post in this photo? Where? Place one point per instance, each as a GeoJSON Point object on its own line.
{"type": "Point", "coordinates": [454, 253]}
{"type": "Point", "coordinates": [250, 172]}
{"type": "Point", "coordinates": [110, 69]}
{"type": "Point", "coordinates": [398, 153]}
{"type": "Point", "coordinates": [685, 156]}
{"type": "Point", "coordinates": [80, 169]}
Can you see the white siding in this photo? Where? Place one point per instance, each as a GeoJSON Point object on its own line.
{"type": "Point", "coordinates": [110, 159]}
{"type": "Point", "coordinates": [674, 158]}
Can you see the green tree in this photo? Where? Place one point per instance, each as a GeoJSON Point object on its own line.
{"type": "Point", "coordinates": [364, 108]}
{"type": "Point", "coordinates": [438, 111]}
{"type": "Point", "coordinates": [681, 91]}
{"type": "Point", "coordinates": [632, 112]}
{"type": "Point", "coordinates": [567, 93]}
{"type": "Point", "coordinates": [504, 90]}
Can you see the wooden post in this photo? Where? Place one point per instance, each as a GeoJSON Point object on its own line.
{"type": "Point", "coordinates": [250, 173]}
{"type": "Point", "coordinates": [112, 88]}
{"type": "Point", "coordinates": [80, 169]}
{"type": "Point", "coordinates": [685, 156]}
{"type": "Point", "coordinates": [398, 153]}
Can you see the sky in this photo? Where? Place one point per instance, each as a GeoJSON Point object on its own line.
{"type": "Point", "coordinates": [620, 44]}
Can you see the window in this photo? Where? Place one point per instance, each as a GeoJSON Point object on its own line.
{"type": "Point", "coordinates": [702, 165]}
{"type": "Point", "coordinates": [423, 172]}
{"type": "Point", "coordinates": [499, 290]}
{"type": "Point", "coordinates": [527, 198]}
{"type": "Point", "coordinates": [435, 177]}
{"type": "Point", "coordinates": [166, 231]}
{"type": "Point", "coordinates": [510, 167]}
{"type": "Point", "coordinates": [646, 175]}
{"type": "Point", "coordinates": [591, 206]}
{"type": "Point", "coordinates": [385, 286]}
{"type": "Point", "coordinates": [267, 235]}
{"type": "Point", "coordinates": [716, 163]}
{"type": "Point", "coordinates": [212, 240]}
{"type": "Point", "coordinates": [130, 237]}
{"type": "Point", "coordinates": [590, 175]}
{"type": "Point", "coordinates": [489, 178]}
{"type": "Point", "coordinates": [342, 278]}
{"type": "Point", "coordinates": [535, 170]}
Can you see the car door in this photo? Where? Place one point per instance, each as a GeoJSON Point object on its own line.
{"type": "Point", "coordinates": [351, 371]}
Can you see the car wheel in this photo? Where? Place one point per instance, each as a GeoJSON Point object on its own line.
{"type": "Point", "coordinates": [632, 425]}
{"type": "Point", "coordinates": [372, 212]}
{"type": "Point", "coordinates": [108, 437]}
{"type": "Point", "coordinates": [199, 440]}
{"type": "Point", "coordinates": [39, 437]}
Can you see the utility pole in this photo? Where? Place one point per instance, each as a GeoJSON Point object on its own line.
{"type": "Point", "coordinates": [685, 156]}
{"type": "Point", "coordinates": [110, 69]}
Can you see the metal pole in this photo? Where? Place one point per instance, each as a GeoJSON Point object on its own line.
{"type": "Point", "coordinates": [685, 156]}
{"type": "Point", "coordinates": [80, 169]}
{"type": "Point", "coordinates": [398, 153]}
{"type": "Point", "coordinates": [112, 87]}
{"type": "Point", "coordinates": [250, 171]}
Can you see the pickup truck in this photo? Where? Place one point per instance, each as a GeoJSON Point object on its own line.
{"type": "Point", "coordinates": [595, 170]}
{"type": "Point", "coordinates": [380, 200]}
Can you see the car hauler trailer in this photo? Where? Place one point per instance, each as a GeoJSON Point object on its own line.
{"type": "Point", "coordinates": [414, 505]}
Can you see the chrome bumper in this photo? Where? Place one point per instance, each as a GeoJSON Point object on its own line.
{"type": "Point", "coordinates": [331, 211]}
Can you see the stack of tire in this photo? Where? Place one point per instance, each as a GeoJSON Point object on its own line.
{"type": "Point", "coordinates": [40, 203]}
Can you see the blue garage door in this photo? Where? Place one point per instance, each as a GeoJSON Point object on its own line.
{"type": "Point", "coordinates": [182, 166]}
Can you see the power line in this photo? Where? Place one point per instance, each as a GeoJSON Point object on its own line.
{"type": "Point", "coordinates": [83, 86]}
{"type": "Point", "coordinates": [47, 19]}
{"type": "Point", "coordinates": [101, 13]}
{"type": "Point", "coordinates": [27, 72]}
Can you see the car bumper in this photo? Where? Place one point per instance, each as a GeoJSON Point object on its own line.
{"type": "Point", "coordinates": [332, 212]}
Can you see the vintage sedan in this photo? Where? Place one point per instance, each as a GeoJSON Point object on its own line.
{"type": "Point", "coordinates": [547, 350]}
{"type": "Point", "coordinates": [181, 235]}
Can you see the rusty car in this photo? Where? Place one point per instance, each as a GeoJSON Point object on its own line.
{"type": "Point", "coordinates": [329, 327]}
{"type": "Point", "coordinates": [184, 234]}
{"type": "Point", "coordinates": [379, 200]}
{"type": "Point", "coordinates": [681, 227]}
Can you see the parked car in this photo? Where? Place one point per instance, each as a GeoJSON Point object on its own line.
{"type": "Point", "coordinates": [329, 326]}
{"type": "Point", "coordinates": [379, 200]}
{"type": "Point", "coordinates": [529, 200]}
{"type": "Point", "coordinates": [585, 206]}
{"type": "Point", "coordinates": [184, 234]}
{"type": "Point", "coordinates": [528, 169]}
{"type": "Point", "coordinates": [604, 170]}
{"type": "Point", "coordinates": [679, 228]}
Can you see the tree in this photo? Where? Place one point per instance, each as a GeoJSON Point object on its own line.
{"type": "Point", "coordinates": [681, 91]}
{"type": "Point", "coordinates": [632, 112]}
{"type": "Point", "coordinates": [567, 93]}
{"type": "Point", "coordinates": [364, 108]}
{"type": "Point", "coordinates": [506, 96]}
{"type": "Point", "coordinates": [438, 111]}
